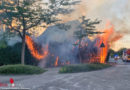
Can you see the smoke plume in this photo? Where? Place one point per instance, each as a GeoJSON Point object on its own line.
{"type": "Point", "coordinates": [114, 11]}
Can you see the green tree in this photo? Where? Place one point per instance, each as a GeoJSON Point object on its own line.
{"type": "Point", "coordinates": [86, 28]}
{"type": "Point", "coordinates": [112, 52]}
{"type": "Point", "coordinates": [120, 51]}
{"type": "Point", "coordinates": [20, 16]}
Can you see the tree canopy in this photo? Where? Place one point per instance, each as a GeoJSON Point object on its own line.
{"type": "Point", "coordinates": [20, 16]}
{"type": "Point", "coordinates": [86, 28]}
{"type": "Point", "coordinates": [23, 15]}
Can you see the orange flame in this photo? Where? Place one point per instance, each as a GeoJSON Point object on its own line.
{"type": "Point", "coordinates": [56, 62]}
{"type": "Point", "coordinates": [108, 37]}
{"type": "Point", "coordinates": [105, 39]}
{"type": "Point", "coordinates": [33, 50]}
{"type": "Point", "coordinates": [67, 62]}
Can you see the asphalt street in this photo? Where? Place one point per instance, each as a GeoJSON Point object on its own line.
{"type": "Point", "coordinates": [113, 78]}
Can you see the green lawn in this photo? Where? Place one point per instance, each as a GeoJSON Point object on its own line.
{"type": "Point", "coordinates": [83, 68]}
{"type": "Point", "coordinates": [20, 69]}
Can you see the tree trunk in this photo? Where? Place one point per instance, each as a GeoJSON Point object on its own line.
{"type": "Point", "coordinates": [23, 48]}
{"type": "Point", "coordinates": [23, 42]}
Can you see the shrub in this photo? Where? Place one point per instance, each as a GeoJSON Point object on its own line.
{"type": "Point", "coordinates": [3, 44]}
{"type": "Point", "coordinates": [20, 69]}
{"type": "Point", "coordinates": [82, 68]}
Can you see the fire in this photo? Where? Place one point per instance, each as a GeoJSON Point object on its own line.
{"type": "Point", "coordinates": [107, 38]}
{"type": "Point", "coordinates": [104, 39]}
{"type": "Point", "coordinates": [67, 62]}
{"type": "Point", "coordinates": [56, 62]}
{"type": "Point", "coordinates": [33, 49]}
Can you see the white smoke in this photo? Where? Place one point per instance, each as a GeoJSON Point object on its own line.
{"type": "Point", "coordinates": [115, 11]}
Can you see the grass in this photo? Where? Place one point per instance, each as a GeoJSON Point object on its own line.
{"type": "Point", "coordinates": [20, 69]}
{"type": "Point", "coordinates": [83, 68]}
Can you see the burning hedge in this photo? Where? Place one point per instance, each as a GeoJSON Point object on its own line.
{"type": "Point", "coordinates": [62, 49]}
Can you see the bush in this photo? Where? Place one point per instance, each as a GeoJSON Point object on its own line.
{"type": "Point", "coordinates": [3, 44]}
{"type": "Point", "coordinates": [12, 55]}
{"type": "Point", "coordinates": [82, 68]}
{"type": "Point", "coordinates": [20, 69]}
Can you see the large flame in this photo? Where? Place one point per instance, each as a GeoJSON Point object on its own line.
{"type": "Point", "coordinates": [104, 38]}
{"type": "Point", "coordinates": [107, 38]}
{"type": "Point", "coordinates": [56, 62]}
{"type": "Point", "coordinates": [33, 49]}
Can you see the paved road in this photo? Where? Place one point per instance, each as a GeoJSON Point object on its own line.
{"type": "Point", "coordinates": [119, 61]}
{"type": "Point", "coordinates": [113, 78]}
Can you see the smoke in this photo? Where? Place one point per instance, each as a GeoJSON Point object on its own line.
{"type": "Point", "coordinates": [116, 12]}
{"type": "Point", "coordinates": [79, 10]}
{"type": "Point", "coordinates": [60, 43]}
